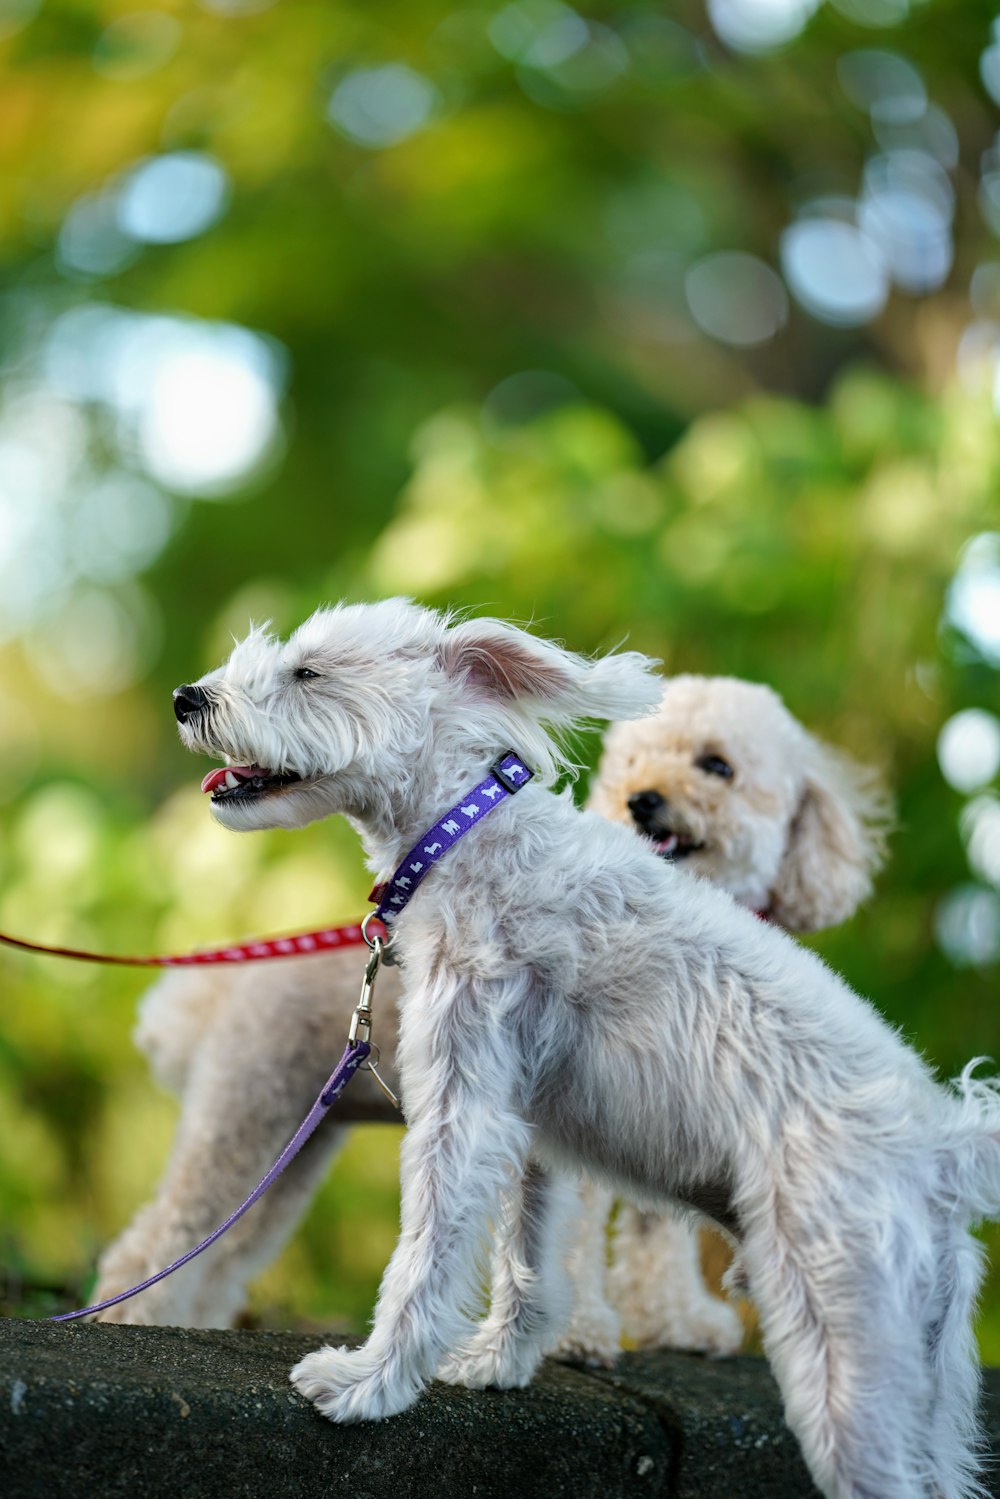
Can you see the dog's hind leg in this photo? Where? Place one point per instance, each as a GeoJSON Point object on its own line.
{"type": "Point", "coordinates": [852, 1367]}
{"type": "Point", "coordinates": [954, 1438]}
{"type": "Point", "coordinates": [657, 1285]}
{"type": "Point", "coordinates": [594, 1332]}
{"type": "Point", "coordinates": [530, 1292]}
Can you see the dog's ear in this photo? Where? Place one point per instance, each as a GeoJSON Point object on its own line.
{"type": "Point", "coordinates": [508, 665]}
{"type": "Point", "coordinates": [836, 842]}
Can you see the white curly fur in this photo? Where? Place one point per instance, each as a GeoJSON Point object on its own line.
{"type": "Point", "coordinates": [568, 993]}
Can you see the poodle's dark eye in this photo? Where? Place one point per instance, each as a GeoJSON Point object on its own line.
{"type": "Point", "coordinates": [303, 673]}
{"type": "Point", "coordinates": [714, 765]}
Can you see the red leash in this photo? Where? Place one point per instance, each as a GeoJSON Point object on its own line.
{"type": "Point", "coordinates": [295, 946]}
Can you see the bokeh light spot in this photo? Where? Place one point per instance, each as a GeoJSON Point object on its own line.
{"type": "Point", "coordinates": [736, 298]}
{"type": "Point", "coordinates": [557, 41]}
{"type": "Point", "coordinates": [874, 13]}
{"type": "Point", "coordinates": [906, 208]}
{"type": "Point", "coordinates": [933, 132]}
{"type": "Point", "coordinates": [967, 926]}
{"type": "Point", "coordinates": [976, 357]}
{"type": "Point", "coordinates": [989, 71]}
{"type": "Point", "coordinates": [523, 27]}
{"type": "Point", "coordinates": [210, 416]}
{"type": "Point", "coordinates": [91, 243]}
{"type": "Point", "coordinates": [196, 402]}
{"type": "Point", "coordinates": [759, 25]}
{"type": "Point", "coordinates": [171, 198]}
{"type": "Point", "coordinates": [980, 824]}
{"type": "Point", "coordinates": [984, 289]}
{"type": "Point", "coordinates": [886, 85]}
{"type": "Point", "coordinates": [989, 195]}
{"type": "Point", "coordinates": [973, 601]}
{"type": "Point", "coordinates": [968, 749]}
{"type": "Point", "coordinates": [380, 107]}
{"type": "Point", "coordinates": [835, 271]}
{"type": "Point", "coordinates": [595, 62]}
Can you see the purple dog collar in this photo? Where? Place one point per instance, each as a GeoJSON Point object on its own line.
{"type": "Point", "coordinates": [507, 776]}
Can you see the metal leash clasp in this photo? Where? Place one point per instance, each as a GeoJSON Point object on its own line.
{"type": "Point", "coordinates": [361, 1020]}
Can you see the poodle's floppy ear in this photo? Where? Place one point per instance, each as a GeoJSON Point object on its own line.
{"type": "Point", "coordinates": [836, 842]}
{"type": "Point", "coordinates": [509, 665]}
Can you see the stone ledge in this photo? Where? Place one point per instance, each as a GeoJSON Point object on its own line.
{"type": "Point", "coordinates": [115, 1410]}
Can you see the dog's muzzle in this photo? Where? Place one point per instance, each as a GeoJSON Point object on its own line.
{"type": "Point", "coordinates": [649, 811]}
{"type": "Point", "coordinates": [644, 807]}
{"type": "Point", "coordinates": [189, 701]}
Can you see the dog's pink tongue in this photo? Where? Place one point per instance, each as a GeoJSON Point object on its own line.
{"type": "Point", "coordinates": [218, 777]}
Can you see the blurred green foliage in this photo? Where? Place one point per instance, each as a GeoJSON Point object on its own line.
{"type": "Point", "coordinates": [495, 397]}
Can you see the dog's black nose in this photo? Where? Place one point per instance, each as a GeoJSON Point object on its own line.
{"type": "Point", "coordinates": [644, 806]}
{"type": "Point", "coordinates": [188, 701]}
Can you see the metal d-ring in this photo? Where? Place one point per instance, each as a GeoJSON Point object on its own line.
{"type": "Point", "coordinates": [371, 941]}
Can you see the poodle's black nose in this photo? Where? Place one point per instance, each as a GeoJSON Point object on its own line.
{"type": "Point", "coordinates": [188, 701]}
{"type": "Point", "coordinates": [644, 806]}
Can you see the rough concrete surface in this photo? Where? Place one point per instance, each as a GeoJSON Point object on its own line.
{"type": "Point", "coordinates": [93, 1411]}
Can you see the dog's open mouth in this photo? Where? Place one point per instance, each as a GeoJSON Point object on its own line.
{"type": "Point", "coordinates": [674, 846]}
{"type": "Point", "coordinates": [243, 783]}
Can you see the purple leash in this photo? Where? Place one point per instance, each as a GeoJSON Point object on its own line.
{"type": "Point", "coordinates": [354, 1054]}
{"type": "Point", "coordinates": [507, 775]}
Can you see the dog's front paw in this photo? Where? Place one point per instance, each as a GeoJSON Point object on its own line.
{"type": "Point", "coordinates": [349, 1385]}
{"type": "Point", "coordinates": [494, 1360]}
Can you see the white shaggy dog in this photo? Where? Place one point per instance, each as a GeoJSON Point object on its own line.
{"type": "Point", "coordinates": [724, 780]}
{"type": "Point", "coordinates": [570, 995]}
{"type": "Point", "coordinates": [721, 777]}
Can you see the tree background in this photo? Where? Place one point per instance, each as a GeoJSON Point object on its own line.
{"type": "Point", "coordinates": [677, 324]}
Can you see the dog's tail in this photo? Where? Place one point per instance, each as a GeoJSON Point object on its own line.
{"type": "Point", "coordinates": [973, 1165]}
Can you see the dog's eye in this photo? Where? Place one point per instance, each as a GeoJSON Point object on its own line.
{"type": "Point", "coordinates": [303, 673]}
{"type": "Point", "coordinates": [714, 765]}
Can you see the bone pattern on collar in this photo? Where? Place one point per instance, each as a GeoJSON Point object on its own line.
{"type": "Point", "coordinates": [508, 774]}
